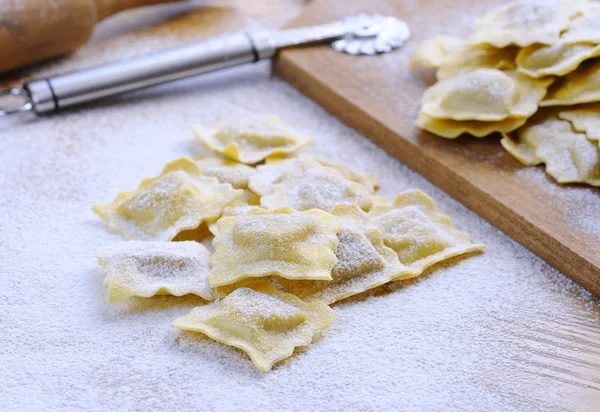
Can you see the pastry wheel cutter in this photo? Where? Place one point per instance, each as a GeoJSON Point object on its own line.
{"type": "Point", "coordinates": [358, 35]}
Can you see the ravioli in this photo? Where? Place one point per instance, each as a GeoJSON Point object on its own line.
{"type": "Point", "coordinates": [226, 171]}
{"type": "Point", "coordinates": [418, 234]}
{"type": "Point", "coordinates": [364, 261]}
{"type": "Point", "coordinates": [179, 199]}
{"type": "Point", "coordinates": [580, 86]}
{"type": "Point", "coordinates": [584, 28]}
{"type": "Point", "coordinates": [281, 242]}
{"type": "Point", "coordinates": [558, 59]}
{"type": "Point", "coordinates": [477, 57]}
{"type": "Point", "coordinates": [432, 52]}
{"type": "Point", "coordinates": [569, 156]}
{"type": "Point", "coordinates": [526, 22]}
{"type": "Point", "coordinates": [454, 128]}
{"type": "Point", "coordinates": [262, 321]}
{"type": "Point", "coordinates": [146, 269]}
{"type": "Point", "coordinates": [585, 120]}
{"type": "Point", "coordinates": [251, 140]}
{"type": "Point", "coordinates": [317, 188]}
{"type": "Point", "coordinates": [484, 95]}
{"type": "Point", "coordinates": [278, 169]}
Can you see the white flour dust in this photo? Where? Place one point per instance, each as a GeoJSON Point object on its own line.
{"type": "Point", "coordinates": [482, 333]}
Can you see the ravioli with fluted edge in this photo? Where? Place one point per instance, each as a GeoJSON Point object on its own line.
{"type": "Point", "coordinates": [558, 59]}
{"type": "Point", "coordinates": [584, 28]}
{"type": "Point", "coordinates": [146, 269]}
{"type": "Point", "coordinates": [226, 171]}
{"type": "Point", "coordinates": [316, 188]}
{"type": "Point", "coordinates": [584, 119]}
{"type": "Point", "coordinates": [579, 86]}
{"type": "Point", "coordinates": [282, 242]}
{"type": "Point", "coordinates": [569, 156]}
{"type": "Point", "coordinates": [364, 261]}
{"type": "Point", "coordinates": [179, 199]}
{"type": "Point", "coordinates": [278, 169]}
{"type": "Point", "coordinates": [484, 95]}
{"type": "Point", "coordinates": [419, 234]}
{"type": "Point", "coordinates": [470, 58]}
{"type": "Point", "coordinates": [526, 22]}
{"type": "Point", "coordinates": [453, 128]}
{"type": "Point", "coordinates": [432, 52]}
{"type": "Point", "coordinates": [264, 322]}
{"type": "Point", "coordinates": [252, 139]}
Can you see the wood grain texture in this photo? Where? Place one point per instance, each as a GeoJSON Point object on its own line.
{"type": "Point", "coordinates": [379, 97]}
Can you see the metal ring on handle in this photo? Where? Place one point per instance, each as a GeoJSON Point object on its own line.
{"type": "Point", "coordinates": [17, 91]}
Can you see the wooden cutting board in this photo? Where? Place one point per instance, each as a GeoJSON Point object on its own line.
{"type": "Point", "coordinates": [379, 97]}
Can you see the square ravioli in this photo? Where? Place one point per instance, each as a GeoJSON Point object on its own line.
{"type": "Point", "coordinates": [485, 95]}
{"type": "Point", "coordinates": [179, 199]}
{"type": "Point", "coordinates": [579, 86]}
{"type": "Point", "coordinates": [282, 242]}
{"type": "Point", "coordinates": [279, 169]}
{"type": "Point", "coordinates": [569, 156]}
{"type": "Point", "coordinates": [364, 261]}
{"type": "Point", "coordinates": [262, 321]}
{"type": "Point", "coordinates": [417, 233]}
{"type": "Point", "coordinates": [146, 269]}
{"type": "Point", "coordinates": [526, 22]}
{"type": "Point", "coordinates": [226, 171]}
{"type": "Point", "coordinates": [251, 140]}
{"type": "Point", "coordinates": [451, 129]}
{"type": "Point", "coordinates": [585, 119]}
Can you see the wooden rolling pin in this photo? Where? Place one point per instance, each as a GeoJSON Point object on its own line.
{"type": "Point", "coordinates": [36, 30]}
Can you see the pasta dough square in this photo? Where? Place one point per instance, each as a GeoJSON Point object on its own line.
{"type": "Point", "coordinates": [484, 95]}
{"type": "Point", "coordinates": [251, 140]}
{"type": "Point", "coordinates": [179, 199]}
{"type": "Point", "coordinates": [417, 233]}
{"type": "Point", "coordinates": [281, 242]}
{"type": "Point", "coordinates": [226, 171]}
{"type": "Point", "coordinates": [434, 51]}
{"type": "Point", "coordinates": [569, 156]}
{"type": "Point", "coordinates": [146, 269]}
{"type": "Point", "coordinates": [264, 322]}
{"type": "Point", "coordinates": [555, 60]}
{"type": "Point", "coordinates": [526, 22]}
{"type": "Point", "coordinates": [278, 169]}
{"type": "Point", "coordinates": [451, 129]}
{"type": "Point", "coordinates": [470, 58]}
{"type": "Point", "coordinates": [364, 261]}
{"type": "Point", "coordinates": [579, 86]}
{"type": "Point", "coordinates": [585, 120]}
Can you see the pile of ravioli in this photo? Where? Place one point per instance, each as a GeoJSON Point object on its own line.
{"type": "Point", "coordinates": [530, 71]}
{"type": "Point", "coordinates": [291, 235]}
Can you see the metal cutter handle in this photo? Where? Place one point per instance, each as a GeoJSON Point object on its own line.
{"type": "Point", "coordinates": [63, 91]}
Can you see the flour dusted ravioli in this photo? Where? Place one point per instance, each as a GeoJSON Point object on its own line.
{"type": "Point", "coordinates": [580, 86]}
{"type": "Point", "coordinates": [485, 95]}
{"type": "Point", "coordinates": [454, 128]}
{"type": "Point", "coordinates": [282, 242]}
{"type": "Point", "coordinates": [251, 140]}
{"type": "Point", "coordinates": [278, 169]}
{"type": "Point", "coordinates": [555, 60]}
{"type": "Point", "coordinates": [470, 58]}
{"type": "Point", "coordinates": [364, 261]}
{"type": "Point", "coordinates": [146, 269]}
{"type": "Point", "coordinates": [432, 52]}
{"type": "Point", "coordinates": [585, 120]}
{"type": "Point", "coordinates": [526, 22]}
{"type": "Point", "coordinates": [262, 321]}
{"type": "Point", "coordinates": [417, 233]}
{"type": "Point", "coordinates": [317, 188]}
{"type": "Point", "coordinates": [569, 156]}
{"type": "Point", "coordinates": [584, 28]}
{"type": "Point", "coordinates": [226, 171]}
{"type": "Point", "coordinates": [179, 199]}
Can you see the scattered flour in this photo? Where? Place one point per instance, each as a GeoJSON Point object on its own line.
{"type": "Point", "coordinates": [497, 331]}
